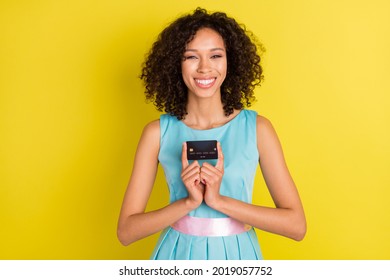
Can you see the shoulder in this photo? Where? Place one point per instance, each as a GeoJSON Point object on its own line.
{"type": "Point", "coordinates": [151, 131]}
{"type": "Point", "coordinates": [149, 143]}
{"type": "Point", "coordinates": [263, 123]}
{"type": "Point", "coordinates": [265, 131]}
{"type": "Point", "coordinates": [153, 126]}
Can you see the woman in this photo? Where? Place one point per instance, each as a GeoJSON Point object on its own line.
{"type": "Point", "coordinates": [202, 71]}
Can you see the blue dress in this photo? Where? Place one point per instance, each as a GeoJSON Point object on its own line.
{"type": "Point", "coordinates": [239, 145]}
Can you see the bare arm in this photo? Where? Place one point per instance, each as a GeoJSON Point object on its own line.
{"type": "Point", "coordinates": [288, 217]}
{"type": "Point", "coordinates": [134, 223]}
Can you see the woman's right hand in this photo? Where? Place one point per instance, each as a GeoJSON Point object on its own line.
{"type": "Point", "coordinates": [190, 176]}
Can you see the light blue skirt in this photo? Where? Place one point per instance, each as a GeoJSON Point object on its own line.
{"type": "Point", "coordinates": [174, 245]}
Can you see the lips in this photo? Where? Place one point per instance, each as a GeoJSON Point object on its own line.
{"type": "Point", "coordinates": [205, 83]}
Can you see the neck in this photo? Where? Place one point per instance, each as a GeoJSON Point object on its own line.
{"type": "Point", "coordinates": [205, 114]}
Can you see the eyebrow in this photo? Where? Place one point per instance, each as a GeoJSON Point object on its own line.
{"type": "Point", "coordinates": [212, 50]}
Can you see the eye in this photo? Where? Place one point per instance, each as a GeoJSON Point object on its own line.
{"type": "Point", "coordinates": [190, 57]}
{"type": "Point", "coordinates": [216, 56]}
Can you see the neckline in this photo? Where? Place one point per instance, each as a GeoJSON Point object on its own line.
{"type": "Point", "coordinates": [214, 128]}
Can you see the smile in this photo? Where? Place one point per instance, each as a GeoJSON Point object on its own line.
{"type": "Point", "coordinates": [205, 83]}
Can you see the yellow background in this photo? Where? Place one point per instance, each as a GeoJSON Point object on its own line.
{"type": "Point", "coordinates": [72, 110]}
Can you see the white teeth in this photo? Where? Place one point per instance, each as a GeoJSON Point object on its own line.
{"type": "Point", "coordinates": [205, 82]}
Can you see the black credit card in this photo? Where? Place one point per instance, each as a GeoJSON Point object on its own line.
{"type": "Point", "coordinates": [204, 149]}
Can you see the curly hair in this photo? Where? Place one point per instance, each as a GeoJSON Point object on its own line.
{"type": "Point", "coordinates": [161, 71]}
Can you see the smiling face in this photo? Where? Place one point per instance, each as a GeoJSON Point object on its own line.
{"type": "Point", "coordinates": [204, 64]}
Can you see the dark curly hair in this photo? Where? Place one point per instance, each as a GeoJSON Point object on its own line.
{"type": "Point", "coordinates": [161, 71]}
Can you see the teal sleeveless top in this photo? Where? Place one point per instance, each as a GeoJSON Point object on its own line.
{"type": "Point", "coordinates": [238, 140]}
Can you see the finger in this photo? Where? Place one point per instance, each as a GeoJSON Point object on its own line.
{"type": "Point", "coordinates": [190, 171]}
{"type": "Point", "coordinates": [220, 161]}
{"type": "Point", "coordinates": [184, 160]}
{"type": "Point", "coordinates": [209, 179]}
{"type": "Point", "coordinates": [192, 181]}
{"type": "Point", "coordinates": [208, 171]}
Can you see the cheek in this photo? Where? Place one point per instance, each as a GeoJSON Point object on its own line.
{"type": "Point", "coordinates": [186, 77]}
{"type": "Point", "coordinates": [185, 69]}
{"type": "Point", "coordinates": [223, 70]}
{"type": "Point", "coordinates": [222, 66]}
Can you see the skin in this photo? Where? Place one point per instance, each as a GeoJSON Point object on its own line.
{"type": "Point", "coordinates": [205, 60]}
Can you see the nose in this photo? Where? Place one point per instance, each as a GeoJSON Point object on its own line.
{"type": "Point", "coordinates": [204, 66]}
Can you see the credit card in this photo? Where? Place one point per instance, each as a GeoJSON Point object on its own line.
{"type": "Point", "coordinates": [203, 149]}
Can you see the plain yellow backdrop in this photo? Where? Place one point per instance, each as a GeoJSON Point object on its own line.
{"type": "Point", "coordinates": [72, 109]}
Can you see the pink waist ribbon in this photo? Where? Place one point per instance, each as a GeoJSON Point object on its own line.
{"type": "Point", "coordinates": [210, 226]}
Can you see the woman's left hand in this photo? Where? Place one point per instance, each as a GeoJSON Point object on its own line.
{"type": "Point", "coordinates": [211, 178]}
